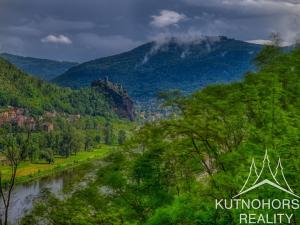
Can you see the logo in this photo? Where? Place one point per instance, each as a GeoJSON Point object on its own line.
{"type": "Point", "coordinates": [261, 210]}
{"type": "Point", "coordinates": [276, 176]}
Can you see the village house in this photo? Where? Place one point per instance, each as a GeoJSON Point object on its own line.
{"type": "Point", "coordinates": [17, 116]}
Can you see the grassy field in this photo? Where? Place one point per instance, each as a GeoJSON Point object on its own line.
{"type": "Point", "coordinates": [28, 171]}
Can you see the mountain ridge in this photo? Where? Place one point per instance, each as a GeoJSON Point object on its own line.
{"type": "Point", "coordinates": [45, 69]}
{"type": "Point", "coordinates": [174, 64]}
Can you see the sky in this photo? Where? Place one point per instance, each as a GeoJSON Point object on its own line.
{"type": "Point", "coordinates": [81, 30]}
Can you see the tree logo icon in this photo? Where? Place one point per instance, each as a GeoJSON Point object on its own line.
{"type": "Point", "coordinates": [266, 176]}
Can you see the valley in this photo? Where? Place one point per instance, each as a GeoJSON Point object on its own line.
{"type": "Point", "coordinates": [170, 171]}
{"type": "Point", "coordinates": [148, 172]}
{"type": "Point", "coordinates": [129, 112]}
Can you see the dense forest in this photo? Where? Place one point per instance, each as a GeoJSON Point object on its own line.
{"type": "Point", "coordinates": [41, 120]}
{"type": "Point", "coordinates": [21, 90]}
{"type": "Point", "coordinates": [171, 171]}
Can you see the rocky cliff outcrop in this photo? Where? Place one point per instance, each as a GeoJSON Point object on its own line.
{"type": "Point", "coordinates": [118, 97]}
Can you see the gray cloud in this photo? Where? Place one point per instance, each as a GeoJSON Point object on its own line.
{"type": "Point", "coordinates": [99, 28]}
{"type": "Point", "coordinates": [185, 40]}
{"type": "Point", "coordinates": [260, 42]}
{"type": "Point", "coordinates": [191, 36]}
{"type": "Point", "coordinates": [167, 18]}
{"type": "Point", "coordinates": [255, 18]}
{"type": "Point", "coordinates": [59, 39]}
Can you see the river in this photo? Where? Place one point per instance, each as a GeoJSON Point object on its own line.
{"type": "Point", "coordinates": [61, 184]}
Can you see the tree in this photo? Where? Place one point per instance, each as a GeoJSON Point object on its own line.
{"type": "Point", "coordinates": [121, 137]}
{"type": "Point", "coordinates": [13, 156]}
{"type": "Point", "coordinates": [108, 134]}
{"type": "Point", "coordinates": [269, 52]}
{"type": "Point", "coordinates": [24, 143]}
{"type": "Point", "coordinates": [97, 139]}
{"type": "Point", "coordinates": [71, 142]}
{"type": "Point", "coordinates": [88, 142]}
{"type": "Point", "coordinates": [47, 154]}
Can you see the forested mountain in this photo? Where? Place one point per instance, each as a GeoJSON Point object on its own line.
{"type": "Point", "coordinates": [44, 69]}
{"type": "Point", "coordinates": [172, 171]}
{"type": "Point", "coordinates": [18, 89]}
{"type": "Point", "coordinates": [41, 123]}
{"type": "Point", "coordinates": [173, 63]}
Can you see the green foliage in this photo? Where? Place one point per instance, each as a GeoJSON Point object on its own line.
{"type": "Point", "coordinates": [108, 134]}
{"type": "Point", "coordinates": [186, 209]}
{"type": "Point", "coordinates": [47, 155]}
{"type": "Point", "coordinates": [121, 137]}
{"type": "Point", "coordinates": [20, 90]}
{"type": "Point", "coordinates": [171, 171]}
{"type": "Point", "coordinates": [67, 138]}
{"type": "Point", "coordinates": [71, 142]}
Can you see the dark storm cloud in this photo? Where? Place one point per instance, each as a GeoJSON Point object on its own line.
{"type": "Point", "coordinates": [84, 29]}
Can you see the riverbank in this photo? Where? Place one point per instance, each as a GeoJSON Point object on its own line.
{"type": "Point", "coordinates": [28, 171]}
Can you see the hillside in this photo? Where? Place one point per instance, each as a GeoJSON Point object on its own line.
{"type": "Point", "coordinates": [44, 69]}
{"type": "Point", "coordinates": [173, 171]}
{"type": "Point", "coordinates": [155, 67]}
{"type": "Point", "coordinates": [17, 89]}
